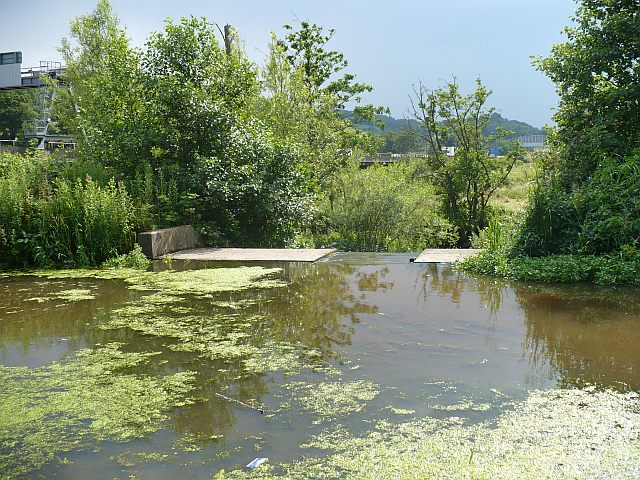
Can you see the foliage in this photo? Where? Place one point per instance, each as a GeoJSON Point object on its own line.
{"type": "Point", "coordinates": [16, 107]}
{"type": "Point", "coordinates": [585, 201]}
{"type": "Point", "coordinates": [382, 209]}
{"type": "Point", "coordinates": [614, 269]}
{"type": "Point", "coordinates": [302, 100]}
{"type": "Point", "coordinates": [466, 181]}
{"type": "Point", "coordinates": [600, 216]}
{"type": "Point", "coordinates": [502, 231]}
{"type": "Point", "coordinates": [589, 235]}
{"type": "Point", "coordinates": [400, 134]}
{"type": "Point", "coordinates": [48, 218]}
{"type": "Point", "coordinates": [514, 194]}
{"type": "Point", "coordinates": [104, 75]}
{"type": "Point", "coordinates": [404, 141]}
{"type": "Point", "coordinates": [134, 259]}
{"type": "Point", "coordinates": [306, 51]}
{"type": "Point", "coordinates": [180, 135]}
{"type": "Point", "coordinates": [597, 77]}
{"type": "Point", "coordinates": [518, 129]}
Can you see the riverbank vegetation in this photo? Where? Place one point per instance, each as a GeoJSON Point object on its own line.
{"type": "Point", "coordinates": [56, 213]}
{"type": "Point", "coordinates": [265, 155]}
{"type": "Point", "coordinates": [250, 155]}
{"type": "Point", "coordinates": [581, 223]}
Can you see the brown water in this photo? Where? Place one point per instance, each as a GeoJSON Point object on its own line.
{"type": "Point", "coordinates": [427, 337]}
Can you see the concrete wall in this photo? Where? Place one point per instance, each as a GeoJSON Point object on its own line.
{"type": "Point", "coordinates": [168, 240]}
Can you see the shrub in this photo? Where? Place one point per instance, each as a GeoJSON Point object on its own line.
{"type": "Point", "coordinates": [614, 269]}
{"type": "Point", "coordinates": [134, 259]}
{"type": "Point", "coordinates": [382, 209]}
{"type": "Point", "coordinates": [48, 220]}
{"type": "Point", "coordinates": [597, 218]}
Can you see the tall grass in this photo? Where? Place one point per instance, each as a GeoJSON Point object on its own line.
{"type": "Point", "coordinates": [50, 218]}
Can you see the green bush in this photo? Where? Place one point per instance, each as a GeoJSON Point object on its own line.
{"type": "Point", "coordinates": [613, 269]}
{"type": "Point", "coordinates": [608, 207]}
{"type": "Point", "coordinates": [599, 217]}
{"type": "Point", "coordinates": [382, 209]}
{"type": "Point", "coordinates": [49, 220]}
{"type": "Point", "coordinates": [134, 259]}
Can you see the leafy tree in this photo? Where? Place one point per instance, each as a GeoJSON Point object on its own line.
{"type": "Point", "coordinates": [306, 50]}
{"type": "Point", "coordinates": [467, 180]}
{"type": "Point", "coordinates": [303, 99]}
{"type": "Point", "coordinates": [16, 106]}
{"type": "Point", "coordinates": [103, 71]}
{"type": "Point", "coordinates": [172, 120]}
{"type": "Point", "coordinates": [597, 76]}
{"type": "Point", "coordinates": [407, 141]}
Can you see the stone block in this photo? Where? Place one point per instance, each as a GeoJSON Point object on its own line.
{"type": "Point", "coordinates": [168, 240]}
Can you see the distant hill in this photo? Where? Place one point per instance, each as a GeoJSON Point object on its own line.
{"type": "Point", "coordinates": [521, 129]}
{"type": "Point", "coordinates": [396, 125]}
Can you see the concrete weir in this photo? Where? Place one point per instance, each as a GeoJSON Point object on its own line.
{"type": "Point", "coordinates": [157, 243]}
{"type": "Point", "coordinates": [253, 254]}
{"type": "Point", "coordinates": [445, 255]}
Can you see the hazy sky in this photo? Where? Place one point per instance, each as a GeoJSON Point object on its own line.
{"type": "Point", "coordinates": [390, 45]}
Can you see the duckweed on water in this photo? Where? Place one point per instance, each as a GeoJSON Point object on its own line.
{"type": "Point", "coordinates": [465, 405]}
{"type": "Point", "coordinates": [225, 335]}
{"type": "Point", "coordinates": [72, 295]}
{"type": "Point", "coordinates": [400, 411]}
{"type": "Point", "coordinates": [557, 434]}
{"type": "Point", "coordinates": [202, 282]}
{"type": "Point", "coordinates": [332, 399]}
{"type": "Point", "coordinates": [88, 398]}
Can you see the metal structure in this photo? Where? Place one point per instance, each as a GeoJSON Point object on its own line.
{"type": "Point", "coordinates": [45, 78]}
{"type": "Point", "coordinates": [533, 141]}
{"type": "Point", "coordinates": [389, 158]}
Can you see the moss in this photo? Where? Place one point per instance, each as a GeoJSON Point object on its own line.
{"type": "Point", "coordinates": [88, 398]}
{"type": "Point", "coordinates": [552, 435]}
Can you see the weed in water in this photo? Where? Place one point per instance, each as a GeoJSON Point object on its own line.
{"type": "Point", "coordinates": [88, 398]}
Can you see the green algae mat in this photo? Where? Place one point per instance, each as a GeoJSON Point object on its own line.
{"type": "Point", "coordinates": [362, 366]}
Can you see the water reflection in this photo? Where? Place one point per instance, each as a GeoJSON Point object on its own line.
{"type": "Point", "coordinates": [38, 327]}
{"type": "Point", "coordinates": [319, 306]}
{"type": "Point", "coordinates": [587, 334]}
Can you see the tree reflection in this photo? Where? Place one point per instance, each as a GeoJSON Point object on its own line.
{"type": "Point", "coordinates": [443, 280]}
{"type": "Point", "coordinates": [34, 319]}
{"type": "Point", "coordinates": [587, 334]}
{"type": "Point", "coordinates": [318, 306]}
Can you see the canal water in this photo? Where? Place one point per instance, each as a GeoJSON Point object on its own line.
{"type": "Point", "coordinates": [350, 341]}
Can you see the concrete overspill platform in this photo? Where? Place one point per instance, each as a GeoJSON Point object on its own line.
{"type": "Point", "coordinates": [445, 255]}
{"type": "Point", "coordinates": [160, 242]}
{"type": "Point", "coordinates": [253, 254]}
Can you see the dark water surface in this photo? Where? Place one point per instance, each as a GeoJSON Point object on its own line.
{"type": "Point", "coordinates": [431, 340]}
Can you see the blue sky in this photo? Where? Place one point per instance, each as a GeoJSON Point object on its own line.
{"type": "Point", "coordinates": [390, 45]}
